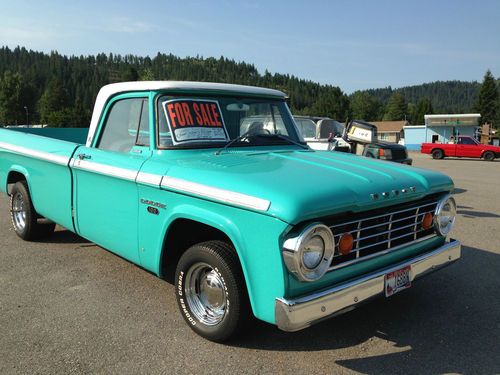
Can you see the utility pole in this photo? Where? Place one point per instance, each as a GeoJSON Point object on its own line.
{"type": "Point", "coordinates": [27, 116]}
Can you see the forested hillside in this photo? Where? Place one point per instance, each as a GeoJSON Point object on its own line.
{"type": "Point", "coordinates": [445, 96]}
{"type": "Point", "coordinates": [58, 90]}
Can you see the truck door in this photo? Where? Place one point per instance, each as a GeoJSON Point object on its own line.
{"type": "Point", "coordinates": [105, 191]}
{"type": "Point", "coordinates": [466, 147]}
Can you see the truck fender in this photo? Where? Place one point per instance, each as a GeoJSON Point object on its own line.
{"type": "Point", "coordinates": [216, 221]}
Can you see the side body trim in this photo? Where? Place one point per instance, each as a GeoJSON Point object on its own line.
{"type": "Point", "coordinates": [124, 174]}
{"type": "Point", "coordinates": [172, 183]}
{"type": "Point", "coordinates": [47, 156]}
{"type": "Point", "coordinates": [149, 179]}
{"type": "Point", "coordinates": [221, 195]}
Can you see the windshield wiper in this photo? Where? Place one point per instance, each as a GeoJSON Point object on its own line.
{"type": "Point", "coordinates": [261, 135]}
{"type": "Point", "coordinates": [233, 141]}
{"type": "Point", "coordinates": [285, 138]}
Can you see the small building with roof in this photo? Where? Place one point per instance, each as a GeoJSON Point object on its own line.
{"type": "Point", "coordinates": [390, 131]}
{"type": "Point", "coordinates": [441, 129]}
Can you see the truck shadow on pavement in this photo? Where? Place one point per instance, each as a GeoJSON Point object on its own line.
{"type": "Point", "coordinates": [448, 322]}
{"type": "Point", "coordinates": [473, 214]}
{"type": "Point", "coordinates": [62, 235]}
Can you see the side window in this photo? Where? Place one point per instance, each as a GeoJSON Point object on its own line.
{"type": "Point", "coordinates": [466, 141]}
{"type": "Point", "coordinates": [127, 124]}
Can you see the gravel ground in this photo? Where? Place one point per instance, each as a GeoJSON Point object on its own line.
{"type": "Point", "coordinates": [68, 306]}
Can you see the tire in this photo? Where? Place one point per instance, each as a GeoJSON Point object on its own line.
{"type": "Point", "coordinates": [437, 154]}
{"type": "Point", "coordinates": [24, 217]}
{"type": "Point", "coordinates": [212, 266]}
{"type": "Point", "coordinates": [489, 156]}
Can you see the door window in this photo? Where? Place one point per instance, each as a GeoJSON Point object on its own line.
{"type": "Point", "coordinates": [466, 141]}
{"type": "Point", "coordinates": [126, 125]}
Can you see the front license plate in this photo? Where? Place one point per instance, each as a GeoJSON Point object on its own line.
{"type": "Point", "coordinates": [397, 281]}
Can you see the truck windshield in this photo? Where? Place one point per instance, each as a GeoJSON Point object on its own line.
{"type": "Point", "coordinates": [199, 122]}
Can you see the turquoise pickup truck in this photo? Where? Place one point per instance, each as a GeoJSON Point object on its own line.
{"type": "Point", "coordinates": [211, 187]}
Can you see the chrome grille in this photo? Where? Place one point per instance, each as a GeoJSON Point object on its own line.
{"type": "Point", "coordinates": [376, 233]}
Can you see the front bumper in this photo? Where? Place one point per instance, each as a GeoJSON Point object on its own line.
{"type": "Point", "coordinates": [296, 314]}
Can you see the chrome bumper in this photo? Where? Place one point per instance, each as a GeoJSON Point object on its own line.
{"type": "Point", "coordinates": [296, 314]}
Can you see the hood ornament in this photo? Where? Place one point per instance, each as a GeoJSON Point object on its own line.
{"type": "Point", "coordinates": [393, 193]}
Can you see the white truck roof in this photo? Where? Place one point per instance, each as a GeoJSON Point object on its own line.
{"type": "Point", "coordinates": [116, 88]}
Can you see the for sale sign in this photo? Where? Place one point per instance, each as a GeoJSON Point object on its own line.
{"type": "Point", "coordinates": [195, 120]}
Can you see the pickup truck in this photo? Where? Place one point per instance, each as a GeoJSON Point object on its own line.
{"type": "Point", "coordinates": [466, 147]}
{"type": "Point", "coordinates": [184, 180]}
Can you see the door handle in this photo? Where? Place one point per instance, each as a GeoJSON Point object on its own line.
{"type": "Point", "coordinates": [83, 156]}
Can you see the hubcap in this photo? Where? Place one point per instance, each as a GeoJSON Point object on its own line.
{"type": "Point", "coordinates": [18, 211]}
{"type": "Point", "coordinates": [205, 294]}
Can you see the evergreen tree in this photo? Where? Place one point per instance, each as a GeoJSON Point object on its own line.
{"type": "Point", "coordinates": [487, 102]}
{"type": "Point", "coordinates": [423, 107]}
{"type": "Point", "coordinates": [130, 74]}
{"type": "Point", "coordinates": [364, 106]}
{"type": "Point", "coordinates": [54, 105]}
{"type": "Point", "coordinates": [16, 99]}
{"type": "Point", "coordinates": [396, 108]}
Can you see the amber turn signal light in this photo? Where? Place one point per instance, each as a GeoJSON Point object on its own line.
{"type": "Point", "coordinates": [345, 243]}
{"type": "Point", "coordinates": [427, 220]}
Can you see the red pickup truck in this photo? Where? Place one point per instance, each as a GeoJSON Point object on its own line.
{"type": "Point", "coordinates": [466, 147]}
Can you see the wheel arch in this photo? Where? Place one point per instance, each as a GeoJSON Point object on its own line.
{"type": "Point", "coordinates": [16, 174]}
{"type": "Point", "coordinates": [208, 226]}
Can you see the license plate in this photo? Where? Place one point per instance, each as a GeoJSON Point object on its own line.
{"type": "Point", "coordinates": [397, 281]}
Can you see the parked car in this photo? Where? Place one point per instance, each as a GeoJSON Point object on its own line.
{"type": "Point", "coordinates": [364, 141]}
{"type": "Point", "coordinates": [465, 147]}
{"type": "Point", "coordinates": [388, 151]}
{"type": "Point", "coordinates": [189, 181]}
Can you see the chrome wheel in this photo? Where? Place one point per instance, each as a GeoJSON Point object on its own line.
{"type": "Point", "coordinates": [206, 294]}
{"type": "Point", "coordinates": [19, 211]}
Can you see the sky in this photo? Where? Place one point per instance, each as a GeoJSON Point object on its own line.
{"type": "Point", "coordinates": [351, 44]}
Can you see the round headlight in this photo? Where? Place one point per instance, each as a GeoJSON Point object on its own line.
{"type": "Point", "coordinates": [444, 217]}
{"type": "Point", "coordinates": [313, 252]}
{"type": "Point", "coordinates": [308, 255]}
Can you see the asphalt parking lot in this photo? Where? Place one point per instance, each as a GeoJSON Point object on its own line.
{"type": "Point", "coordinates": [68, 306]}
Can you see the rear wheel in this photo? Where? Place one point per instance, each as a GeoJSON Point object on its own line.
{"type": "Point", "coordinates": [210, 290]}
{"type": "Point", "coordinates": [489, 156]}
{"type": "Point", "coordinates": [437, 154]}
{"type": "Point", "coordinates": [24, 217]}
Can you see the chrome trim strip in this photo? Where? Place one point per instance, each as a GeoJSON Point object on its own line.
{"type": "Point", "coordinates": [149, 179]}
{"type": "Point", "coordinates": [46, 156]}
{"type": "Point", "coordinates": [299, 313]}
{"type": "Point", "coordinates": [85, 165]}
{"type": "Point", "coordinates": [221, 195]}
{"type": "Point", "coordinates": [383, 252]}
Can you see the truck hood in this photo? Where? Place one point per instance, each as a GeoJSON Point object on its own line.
{"type": "Point", "coordinates": [301, 185]}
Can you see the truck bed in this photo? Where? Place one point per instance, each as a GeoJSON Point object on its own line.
{"type": "Point", "coordinates": [43, 155]}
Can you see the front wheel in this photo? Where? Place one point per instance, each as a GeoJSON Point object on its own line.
{"type": "Point", "coordinates": [24, 217]}
{"type": "Point", "coordinates": [488, 156]}
{"type": "Point", "coordinates": [210, 290]}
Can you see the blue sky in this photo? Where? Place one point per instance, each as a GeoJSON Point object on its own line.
{"type": "Point", "coordinates": [351, 44]}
